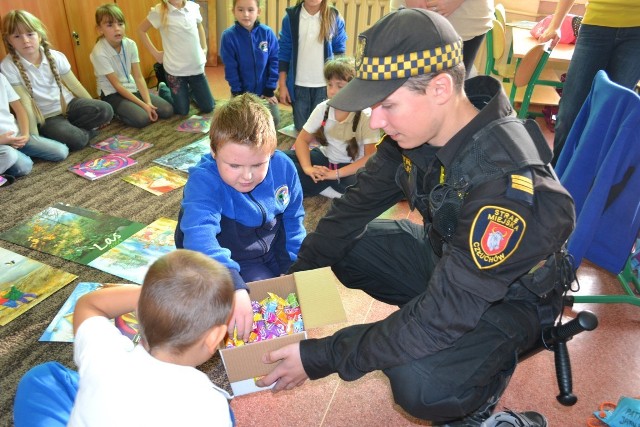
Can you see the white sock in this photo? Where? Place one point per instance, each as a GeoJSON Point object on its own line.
{"type": "Point", "coordinates": [330, 193]}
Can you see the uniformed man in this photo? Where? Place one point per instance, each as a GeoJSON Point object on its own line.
{"type": "Point", "coordinates": [477, 282]}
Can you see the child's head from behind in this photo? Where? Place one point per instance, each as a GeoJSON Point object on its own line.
{"type": "Point", "coordinates": [338, 72]}
{"type": "Point", "coordinates": [246, 12]}
{"type": "Point", "coordinates": [110, 23]}
{"type": "Point", "coordinates": [23, 32]}
{"type": "Point", "coordinates": [243, 139]}
{"type": "Point", "coordinates": [184, 295]}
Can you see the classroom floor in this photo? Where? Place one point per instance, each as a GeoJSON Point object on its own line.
{"type": "Point", "coordinates": [604, 361]}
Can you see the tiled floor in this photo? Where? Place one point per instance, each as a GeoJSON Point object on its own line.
{"type": "Point", "coordinates": [605, 363]}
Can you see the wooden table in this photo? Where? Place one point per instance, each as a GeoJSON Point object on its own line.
{"type": "Point", "coordinates": [523, 41]}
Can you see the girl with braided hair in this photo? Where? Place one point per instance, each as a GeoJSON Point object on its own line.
{"type": "Point", "coordinates": [57, 104]}
{"type": "Point", "coordinates": [345, 139]}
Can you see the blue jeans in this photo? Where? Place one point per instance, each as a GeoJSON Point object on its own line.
{"type": "Point", "coordinates": [183, 88]}
{"type": "Point", "coordinates": [83, 117]}
{"type": "Point", "coordinates": [39, 147]}
{"type": "Point", "coordinates": [132, 114]}
{"type": "Point", "coordinates": [306, 99]}
{"type": "Point", "coordinates": [615, 50]}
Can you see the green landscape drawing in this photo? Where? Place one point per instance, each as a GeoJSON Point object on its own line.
{"type": "Point", "coordinates": [25, 282]}
{"type": "Point", "coordinates": [72, 233]}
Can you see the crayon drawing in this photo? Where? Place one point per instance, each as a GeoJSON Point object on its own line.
{"type": "Point", "coordinates": [183, 158]}
{"type": "Point", "coordinates": [25, 282]}
{"type": "Point", "coordinates": [196, 124]}
{"type": "Point", "coordinates": [102, 166]}
{"type": "Point", "coordinates": [61, 327]}
{"type": "Point", "coordinates": [156, 180]}
{"type": "Point", "coordinates": [122, 145]}
{"type": "Point", "coordinates": [72, 233]}
{"type": "Point", "coordinates": [132, 258]}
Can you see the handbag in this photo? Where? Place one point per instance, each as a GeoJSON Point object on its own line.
{"type": "Point", "coordinates": [568, 30]}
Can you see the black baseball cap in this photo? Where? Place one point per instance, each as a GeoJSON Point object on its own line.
{"type": "Point", "coordinates": [402, 44]}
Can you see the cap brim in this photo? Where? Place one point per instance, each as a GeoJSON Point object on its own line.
{"type": "Point", "coordinates": [360, 94]}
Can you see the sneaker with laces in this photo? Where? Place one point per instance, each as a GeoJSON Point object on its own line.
{"type": "Point", "coordinates": [510, 418]}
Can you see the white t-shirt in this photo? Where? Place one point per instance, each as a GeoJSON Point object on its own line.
{"type": "Point", "coordinates": [310, 65]}
{"type": "Point", "coordinates": [471, 19]}
{"type": "Point", "coordinates": [107, 60]}
{"type": "Point", "coordinates": [123, 385]}
{"type": "Point", "coordinates": [338, 133]}
{"type": "Point", "coordinates": [45, 89]}
{"type": "Point", "coordinates": [183, 55]}
{"type": "Point", "coordinates": [7, 95]}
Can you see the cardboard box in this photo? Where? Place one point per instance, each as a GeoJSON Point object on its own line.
{"type": "Point", "coordinates": [320, 304]}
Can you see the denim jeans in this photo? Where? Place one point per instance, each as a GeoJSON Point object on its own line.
{"type": "Point", "coordinates": [83, 117]}
{"type": "Point", "coordinates": [306, 99]}
{"type": "Point", "coordinates": [615, 50]}
{"type": "Point", "coordinates": [184, 88]}
{"type": "Point", "coordinates": [131, 114]}
{"type": "Point", "coordinates": [41, 148]}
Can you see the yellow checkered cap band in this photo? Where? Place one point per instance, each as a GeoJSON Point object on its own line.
{"type": "Point", "coordinates": [410, 64]}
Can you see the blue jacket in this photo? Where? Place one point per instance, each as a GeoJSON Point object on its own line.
{"type": "Point", "coordinates": [599, 166]}
{"type": "Point", "coordinates": [233, 227]}
{"type": "Point", "coordinates": [289, 33]}
{"type": "Point", "coordinates": [250, 59]}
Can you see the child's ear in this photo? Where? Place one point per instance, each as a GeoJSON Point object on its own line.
{"type": "Point", "coordinates": [214, 336]}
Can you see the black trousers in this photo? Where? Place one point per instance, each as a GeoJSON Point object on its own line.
{"type": "Point", "coordinates": [393, 263]}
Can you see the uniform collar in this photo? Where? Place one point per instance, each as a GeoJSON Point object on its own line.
{"type": "Point", "coordinates": [487, 95]}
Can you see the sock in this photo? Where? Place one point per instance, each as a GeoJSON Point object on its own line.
{"type": "Point", "coordinates": [330, 193]}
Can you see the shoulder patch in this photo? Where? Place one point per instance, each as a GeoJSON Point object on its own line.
{"type": "Point", "coordinates": [282, 196]}
{"type": "Point", "coordinates": [495, 234]}
{"type": "Point", "coordinates": [520, 186]}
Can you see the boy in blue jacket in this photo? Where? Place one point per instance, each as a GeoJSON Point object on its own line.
{"type": "Point", "coordinates": [249, 51]}
{"type": "Point", "coordinates": [242, 203]}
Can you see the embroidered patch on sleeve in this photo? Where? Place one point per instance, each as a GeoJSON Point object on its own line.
{"type": "Point", "coordinates": [495, 234]}
{"type": "Point", "coordinates": [282, 195]}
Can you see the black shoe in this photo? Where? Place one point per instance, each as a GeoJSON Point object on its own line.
{"type": "Point", "coordinates": [6, 179]}
{"type": "Point", "coordinates": [476, 418]}
{"type": "Point", "coordinates": [516, 419]}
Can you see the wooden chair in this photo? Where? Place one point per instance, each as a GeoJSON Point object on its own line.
{"type": "Point", "coordinates": [533, 84]}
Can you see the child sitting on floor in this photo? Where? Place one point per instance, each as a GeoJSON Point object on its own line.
{"type": "Point", "coordinates": [346, 140]}
{"type": "Point", "coordinates": [117, 67]}
{"type": "Point", "coordinates": [242, 203]}
{"type": "Point", "coordinates": [182, 308]}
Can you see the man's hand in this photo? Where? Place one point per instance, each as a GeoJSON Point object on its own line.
{"type": "Point", "coordinates": [242, 316]}
{"type": "Point", "coordinates": [289, 373]}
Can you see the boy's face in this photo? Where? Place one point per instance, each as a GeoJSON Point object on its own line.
{"type": "Point", "coordinates": [334, 86]}
{"type": "Point", "coordinates": [242, 167]}
{"type": "Point", "coordinates": [246, 13]}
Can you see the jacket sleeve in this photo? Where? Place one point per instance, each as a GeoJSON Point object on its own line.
{"type": "Point", "coordinates": [200, 221]}
{"type": "Point", "coordinates": [373, 193]}
{"type": "Point", "coordinates": [293, 216]}
{"type": "Point", "coordinates": [272, 65]}
{"type": "Point", "coordinates": [455, 298]}
{"type": "Point", "coordinates": [229, 54]}
{"type": "Point", "coordinates": [339, 40]}
{"type": "Point", "coordinates": [285, 45]}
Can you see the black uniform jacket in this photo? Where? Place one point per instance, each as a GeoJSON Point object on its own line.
{"type": "Point", "coordinates": [468, 278]}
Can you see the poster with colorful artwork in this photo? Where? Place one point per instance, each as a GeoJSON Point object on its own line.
{"type": "Point", "coordinates": [102, 166]}
{"type": "Point", "coordinates": [132, 258]}
{"type": "Point", "coordinates": [122, 145]}
{"type": "Point", "coordinates": [25, 282]}
{"type": "Point", "coordinates": [61, 327]}
{"type": "Point", "coordinates": [70, 232]}
{"type": "Point", "coordinates": [156, 180]}
{"type": "Point", "coordinates": [184, 158]}
{"type": "Point", "coordinates": [196, 124]}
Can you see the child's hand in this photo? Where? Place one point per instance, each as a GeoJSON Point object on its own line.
{"type": "Point", "coordinates": [283, 94]}
{"type": "Point", "coordinates": [271, 99]}
{"type": "Point", "coordinates": [242, 316]}
{"type": "Point", "coordinates": [13, 141]}
{"type": "Point", "coordinates": [314, 172]}
{"type": "Point", "coordinates": [151, 112]}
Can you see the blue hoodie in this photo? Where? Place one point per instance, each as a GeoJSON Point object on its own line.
{"type": "Point", "coordinates": [236, 228]}
{"type": "Point", "coordinates": [250, 59]}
